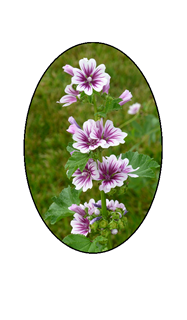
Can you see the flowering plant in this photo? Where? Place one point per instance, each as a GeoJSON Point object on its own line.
{"type": "Point", "coordinates": [95, 221]}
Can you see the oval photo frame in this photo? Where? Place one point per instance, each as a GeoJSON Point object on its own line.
{"type": "Point", "coordinates": [46, 139]}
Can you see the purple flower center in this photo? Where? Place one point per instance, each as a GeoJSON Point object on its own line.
{"type": "Point", "coordinates": [85, 173]}
{"type": "Point", "coordinates": [92, 142]}
{"type": "Point", "coordinates": [107, 176]}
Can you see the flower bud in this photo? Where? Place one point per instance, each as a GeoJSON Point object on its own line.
{"type": "Point", "coordinates": [114, 231]}
{"type": "Point", "coordinates": [125, 221]}
{"type": "Point", "coordinates": [120, 224]}
{"type": "Point", "coordinates": [94, 226]}
{"type": "Point", "coordinates": [103, 224]}
{"type": "Point", "coordinates": [116, 215]}
{"type": "Point", "coordinates": [113, 225]}
{"type": "Point", "coordinates": [105, 233]}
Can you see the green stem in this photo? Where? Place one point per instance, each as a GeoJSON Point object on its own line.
{"type": "Point", "coordinates": [103, 196]}
{"type": "Point", "coordinates": [95, 107]}
{"type": "Point", "coordinates": [103, 204]}
{"type": "Point", "coordinates": [129, 121]}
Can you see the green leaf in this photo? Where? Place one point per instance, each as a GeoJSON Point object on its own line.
{"type": "Point", "coordinates": [145, 163]}
{"type": "Point", "coordinates": [70, 147]}
{"type": "Point", "coordinates": [59, 208]}
{"type": "Point", "coordinates": [78, 160]}
{"type": "Point", "coordinates": [102, 114]}
{"type": "Point", "coordinates": [82, 243]}
{"type": "Point", "coordinates": [112, 104]}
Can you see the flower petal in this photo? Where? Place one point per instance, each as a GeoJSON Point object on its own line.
{"type": "Point", "coordinates": [113, 136]}
{"type": "Point", "coordinates": [79, 77]}
{"type": "Point", "coordinates": [69, 90]}
{"type": "Point", "coordinates": [87, 66]}
{"type": "Point", "coordinates": [68, 99]}
{"type": "Point", "coordinates": [77, 209]}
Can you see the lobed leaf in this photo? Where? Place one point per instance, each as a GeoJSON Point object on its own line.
{"type": "Point", "coordinates": [145, 163]}
{"type": "Point", "coordinates": [78, 160]}
{"type": "Point", "coordinates": [70, 147]}
{"type": "Point", "coordinates": [59, 208]}
{"type": "Point", "coordinates": [82, 243]}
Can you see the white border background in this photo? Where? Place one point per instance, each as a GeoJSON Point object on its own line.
{"type": "Point", "coordinates": [146, 277]}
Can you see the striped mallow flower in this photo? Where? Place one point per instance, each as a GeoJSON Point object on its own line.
{"type": "Point", "coordinates": [85, 142]}
{"type": "Point", "coordinates": [111, 135]}
{"type": "Point", "coordinates": [113, 172]}
{"type": "Point", "coordinates": [126, 96]}
{"type": "Point", "coordinates": [94, 135]}
{"type": "Point", "coordinates": [134, 108]}
{"type": "Point", "coordinates": [71, 96]}
{"type": "Point", "coordinates": [79, 224]}
{"type": "Point", "coordinates": [84, 179]}
{"type": "Point", "coordinates": [88, 77]}
{"type": "Point", "coordinates": [126, 168]}
{"type": "Point", "coordinates": [92, 209]}
{"type": "Point", "coordinates": [110, 173]}
{"type": "Point", "coordinates": [112, 206]}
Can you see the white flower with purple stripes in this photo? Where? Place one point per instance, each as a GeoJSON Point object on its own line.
{"type": "Point", "coordinates": [84, 179]}
{"type": "Point", "coordinates": [90, 77]}
{"type": "Point", "coordinates": [94, 135]}
{"type": "Point", "coordinates": [79, 224]}
{"type": "Point", "coordinates": [85, 142]}
{"type": "Point", "coordinates": [71, 96]}
{"type": "Point", "coordinates": [112, 206]}
{"type": "Point", "coordinates": [127, 169]}
{"type": "Point", "coordinates": [110, 173]}
{"type": "Point", "coordinates": [92, 209]}
{"type": "Point", "coordinates": [111, 135]}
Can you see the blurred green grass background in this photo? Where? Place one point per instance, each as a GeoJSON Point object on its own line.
{"type": "Point", "coordinates": [46, 137]}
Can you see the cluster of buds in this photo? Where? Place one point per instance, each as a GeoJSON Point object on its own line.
{"type": "Point", "coordinates": [88, 218]}
{"type": "Point", "coordinates": [115, 222]}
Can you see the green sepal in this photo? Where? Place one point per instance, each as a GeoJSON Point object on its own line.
{"type": "Point", "coordinates": [59, 208]}
{"type": "Point", "coordinates": [113, 225]}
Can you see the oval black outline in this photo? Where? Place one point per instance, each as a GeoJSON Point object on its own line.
{"type": "Point", "coordinates": [161, 146]}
